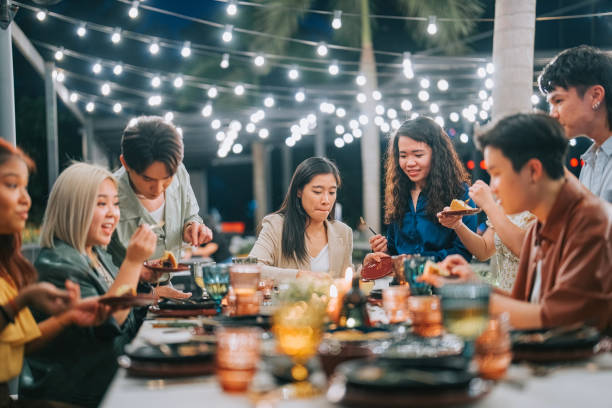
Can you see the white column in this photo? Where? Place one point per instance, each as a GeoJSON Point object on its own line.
{"type": "Point", "coordinates": [7, 89]}
{"type": "Point", "coordinates": [513, 44]}
{"type": "Point", "coordinates": [51, 115]}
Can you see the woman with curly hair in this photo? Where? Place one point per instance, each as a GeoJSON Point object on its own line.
{"type": "Point", "coordinates": [423, 175]}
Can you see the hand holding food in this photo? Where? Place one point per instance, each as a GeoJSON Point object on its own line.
{"type": "Point", "coordinates": [481, 193]}
{"type": "Point", "coordinates": [142, 244]}
{"type": "Point", "coordinates": [459, 205]}
{"type": "Point", "coordinates": [378, 243]}
{"type": "Point", "coordinates": [449, 220]}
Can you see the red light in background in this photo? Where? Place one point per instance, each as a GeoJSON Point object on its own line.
{"type": "Point", "coordinates": [574, 162]}
{"type": "Point", "coordinates": [470, 164]}
{"type": "Point", "coordinates": [581, 163]}
{"type": "Point", "coordinates": [483, 165]}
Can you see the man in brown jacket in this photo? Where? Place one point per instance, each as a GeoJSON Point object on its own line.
{"type": "Point", "coordinates": [565, 269]}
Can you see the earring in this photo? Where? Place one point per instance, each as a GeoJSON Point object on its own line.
{"type": "Point", "coordinates": [596, 105]}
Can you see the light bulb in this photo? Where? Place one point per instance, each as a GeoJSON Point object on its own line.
{"type": "Point", "coordinates": [361, 80]}
{"type": "Point", "coordinates": [231, 9]}
{"type": "Point", "coordinates": [186, 50]}
{"type": "Point", "coordinates": [41, 15]}
{"type": "Point", "coordinates": [90, 107]}
{"type": "Point", "coordinates": [105, 89]}
{"type": "Point", "coordinates": [432, 27]}
{"type": "Point", "coordinates": [322, 49]}
{"type": "Point", "coordinates": [178, 82]}
{"type": "Point", "coordinates": [212, 92]}
{"type": "Point", "coordinates": [333, 68]}
{"type": "Point", "coordinates": [337, 20]}
{"type": "Point", "coordinates": [74, 97]}
{"type": "Point", "coordinates": [269, 102]}
{"type": "Point", "coordinates": [81, 30]}
{"type": "Point", "coordinates": [239, 90]}
{"type": "Point", "coordinates": [116, 36]}
{"type": "Point", "coordinates": [97, 68]}
{"type": "Point", "coordinates": [117, 107]}
{"type": "Point", "coordinates": [443, 85]}
{"type": "Point", "coordinates": [118, 69]}
{"type": "Point", "coordinates": [293, 74]}
{"type": "Point", "coordinates": [155, 81]}
{"type": "Point", "coordinates": [207, 110]}
{"type": "Point", "coordinates": [133, 12]}
{"type": "Point", "coordinates": [154, 47]}
{"type": "Point", "coordinates": [259, 60]}
{"type": "Point", "coordinates": [59, 54]}
{"type": "Point", "coordinates": [224, 61]}
{"type": "Point", "coordinates": [227, 33]}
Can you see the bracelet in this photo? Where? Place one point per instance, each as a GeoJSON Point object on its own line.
{"type": "Point", "coordinates": [6, 316]}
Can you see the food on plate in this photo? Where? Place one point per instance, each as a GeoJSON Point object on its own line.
{"type": "Point", "coordinates": [126, 290]}
{"type": "Point", "coordinates": [168, 260]}
{"type": "Point", "coordinates": [377, 269]}
{"type": "Point", "coordinates": [433, 268]}
{"type": "Point", "coordinates": [459, 205]}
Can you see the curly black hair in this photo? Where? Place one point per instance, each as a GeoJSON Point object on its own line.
{"type": "Point", "coordinates": [447, 177]}
{"type": "Point", "coordinates": [580, 67]}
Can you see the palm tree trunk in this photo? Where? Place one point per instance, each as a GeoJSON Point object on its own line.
{"type": "Point", "coordinates": [513, 43]}
{"type": "Point", "coordinates": [370, 143]}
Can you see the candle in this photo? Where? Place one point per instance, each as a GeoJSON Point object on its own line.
{"type": "Point", "coordinates": [334, 304]}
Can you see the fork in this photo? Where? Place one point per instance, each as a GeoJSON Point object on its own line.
{"type": "Point", "coordinates": [366, 224]}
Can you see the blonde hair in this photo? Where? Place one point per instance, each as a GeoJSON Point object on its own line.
{"type": "Point", "coordinates": [71, 205]}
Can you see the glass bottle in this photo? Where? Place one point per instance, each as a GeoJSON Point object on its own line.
{"type": "Point", "coordinates": [354, 313]}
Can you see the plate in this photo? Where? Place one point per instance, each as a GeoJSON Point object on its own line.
{"type": "Point", "coordinates": [263, 321]}
{"type": "Point", "coordinates": [186, 304]}
{"type": "Point", "coordinates": [127, 301]}
{"type": "Point", "coordinates": [156, 266]}
{"type": "Point", "coordinates": [190, 351]}
{"type": "Point", "coordinates": [529, 345]}
{"type": "Point", "coordinates": [462, 212]}
{"type": "Point", "coordinates": [148, 369]}
{"type": "Point", "coordinates": [347, 394]}
{"type": "Point", "coordinates": [181, 312]}
{"type": "Point", "coordinates": [386, 375]}
{"type": "Point", "coordinates": [414, 350]}
{"type": "Point", "coordinates": [377, 270]}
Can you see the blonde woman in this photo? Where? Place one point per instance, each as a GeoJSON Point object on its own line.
{"type": "Point", "coordinates": [80, 218]}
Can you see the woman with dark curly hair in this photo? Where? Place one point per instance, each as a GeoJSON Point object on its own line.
{"type": "Point", "coordinates": [423, 175]}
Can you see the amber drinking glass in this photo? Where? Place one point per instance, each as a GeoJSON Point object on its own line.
{"type": "Point", "coordinates": [395, 303]}
{"type": "Point", "coordinates": [238, 350]}
{"type": "Point", "coordinates": [426, 315]}
{"type": "Point", "coordinates": [245, 280]}
{"type": "Point", "coordinates": [493, 352]}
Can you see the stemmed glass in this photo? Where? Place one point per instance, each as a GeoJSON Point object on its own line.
{"type": "Point", "coordinates": [298, 328]}
{"type": "Point", "coordinates": [216, 279]}
{"type": "Point", "coordinates": [465, 311]}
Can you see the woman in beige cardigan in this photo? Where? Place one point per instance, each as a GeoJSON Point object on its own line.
{"type": "Point", "coordinates": [302, 237]}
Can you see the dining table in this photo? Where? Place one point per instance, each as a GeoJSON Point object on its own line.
{"type": "Point", "coordinates": [585, 383]}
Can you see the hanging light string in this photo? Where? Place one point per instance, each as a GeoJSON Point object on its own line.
{"type": "Point", "coordinates": [407, 18]}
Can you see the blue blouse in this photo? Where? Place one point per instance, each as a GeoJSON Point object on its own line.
{"type": "Point", "coordinates": [419, 234]}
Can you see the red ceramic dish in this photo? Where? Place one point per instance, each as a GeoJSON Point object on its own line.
{"type": "Point", "coordinates": [377, 270]}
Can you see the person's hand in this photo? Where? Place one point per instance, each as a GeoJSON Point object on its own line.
{"type": "Point", "coordinates": [374, 257]}
{"type": "Point", "coordinates": [142, 244]}
{"type": "Point", "coordinates": [44, 297]}
{"type": "Point", "coordinates": [459, 269]}
{"type": "Point", "coordinates": [197, 234]}
{"type": "Point", "coordinates": [378, 243]}
{"type": "Point", "coordinates": [88, 312]}
{"type": "Point", "coordinates": [449, 221]}
{"type": "Point", "coordinates": [149, 275]}
{"type": "Point", "coordinates": [453, 261]}
{"type": "Point", "coordinates": [170, 292]}
{"type": "Point", "coordinates": [481, 194]}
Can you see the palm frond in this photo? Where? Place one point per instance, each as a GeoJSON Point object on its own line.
{"type": "Point", "coordinates": [278, 18]}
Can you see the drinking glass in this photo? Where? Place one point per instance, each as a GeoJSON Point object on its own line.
{"type": "Point", "coordinates": [298, 328]}
{"type": "Point", "coordinates": [465, 310]}
{"type": "Point", "coordinates": [245, 280]}
{"type": "Point", "coordinates": [398, 268]}
{"type": "Point", "coordinates": [394, 303]}
{"type": "Point", "coordinates": [238, 350]}
{"type": "Point", "coordinates": [244, 260]}
{"type": "Point", "coordinates": [216, 279]}
{"type": "Point", "coordinates": [493, 350]}
{"type": "Point", "coordinates": [413, 268]}
{"type": "Point", "coordinates": [198, 276]}
{"type": "Point", "coordinates": [426, 315]}
{"type": "Point", "coordinates": [266, 287]}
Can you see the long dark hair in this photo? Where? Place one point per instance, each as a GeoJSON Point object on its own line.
{"type": "Point", "coordinates": [293, 242]}
{"type": "Point", "coordinates": [13, 264]}
{"type": "Point", "coordinates": [447, 176]}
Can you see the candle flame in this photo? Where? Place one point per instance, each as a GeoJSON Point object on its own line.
{"type": "Point", "coordinates": [333, 291]}
{"type": "Point", "coordinates": [348, 275]}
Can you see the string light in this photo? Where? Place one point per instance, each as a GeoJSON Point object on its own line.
{"type": "Point", "coordinates": [60, 76]}
{"type": "Point", "coordinates": [259, 60]}
{"type": "Point", "coordinates": [572, 142]}
{"type": "Point", "coordinates": [41, 15]}
{"type": "Point", "coordinates": [231, 9]}
{"type": "Point", "coordinates": [116, 36]}
{"type": "Point", "coordinates": [239, 90]}
{"type": "Point", "coordinates": [535, 99]}
{"type": "Point", "coordinates": [322, 49]}
{"type": "Point", "coordinates": [169, 116]}
{"type": "Point", "coordinates": [227, 33]}
{"type": "Point", "coordinates": [357, 133]}
{"type": "Point", "coordinates": [133, 12]}
{"type": "Point", "coordinates": [178, 81]}
{"type": "Point", "coordinates": [407, 66]}
{"type": "Point", "coordinates": [380, 110]}
{"type": "Point", "coordinates": [363, 119]}
{"type": "Point", "coordinates": [340, 112]}
{"type": "Point", "coordinates": [250, 127]}
{"type": "Point", "coordinates": [423, 95]}
{"type": "Point", "coordinates": [337, 20]}
{"type": "Point", "coordinates": [360, 80]}
{"type": "Point", "coordinates": [439, 120]}
{"type": "Point", "coordinates": [269, 102]}
{"type": "Point", "coordinates": [105, 89]}
{"type": "Point", "coordinates": [237, 148]}
{"type": "Point", "coordinates": [215, 124]}
{"type": "Point", "coordinates": [155, 100]}
{"type": "Point", "coordinates": [186, 50]}
{"type": "Point", "coordinates": [155, 81]}
{"type": "Point", "coordinates": [117, 107]}
{"type": "Point", "coordinates": [59, 54]}
{"type": "Point", "coordinates": [483, 115]}
{"type": "Point", "coordinates": [90, 107]}
{"type": "Point", "coordinates": [263, 133]}
{"type": "Point", "coordinates": [333, 68]}
{"type": "Point", "coordinates": [290, 141]}
{"type": "Point", "coordinates": [207, 110]}
{"type": "Point", "coordinates": [424, 82]}
{"type": "Point", "coordinates": [118, 69]}
{"type": "Point", "coordinates": [74, 97]}
{"type": "Point", "coordinates": [391, 113]}
{"type": "Point", "coordinates": [361, 97]}
{"type": "Point", "coordinates": [300, 96]}
{"type": "Point", "coordinates": [339, 142]}
{"type": "Point", "coordinates": [376, 95]}
{"type": "Point", "coordinates": [464, 138]}
{"type": "Point", "coordinates": [212, 92]}
{"type": "Point", "coordinates": [454, 117]}
{"type": "Point", "coordinates": [224, 61]}
{"type": "Point", "coordinates": [490, 68]}
{"type": "Point", "coordinates": [443, 85]}
{"type": "Point", "coordinates": [489, 83]}
{"type": "Point", "coordinates": [81, 30]}
{"type": "Point", "coordinates": [97, 68]}
{"type": "Point", "coordinates": [432, 27]}
{"type": "Point", "coordinates": [293, 74]}
{"type": "Point", "coordinates": [406, 105]}
{"type": "Point", "coordinates": [348, 138]}
{"type": "Point", "coordinates": [481, 72]}
{"type": "Point", "coordinates": [154, 47]}
{"type": "Point", "coordinates": [339, 129]}
{"type": "Point", "coordinates": [482, 94]}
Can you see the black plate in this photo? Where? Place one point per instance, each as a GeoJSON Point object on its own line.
{"type": "Point", "coordinates": [583, 338]}
{"type": "Point", "coordinates": [388, 375]}
{"type": "Point", "coordinates": [185, 304]}
{"type": "Point", "coordinates": [263, 321]}
{"type": "Point", "coordinates": [415, 351]}
{"type": "Point", "coordinates": [171, 353]}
